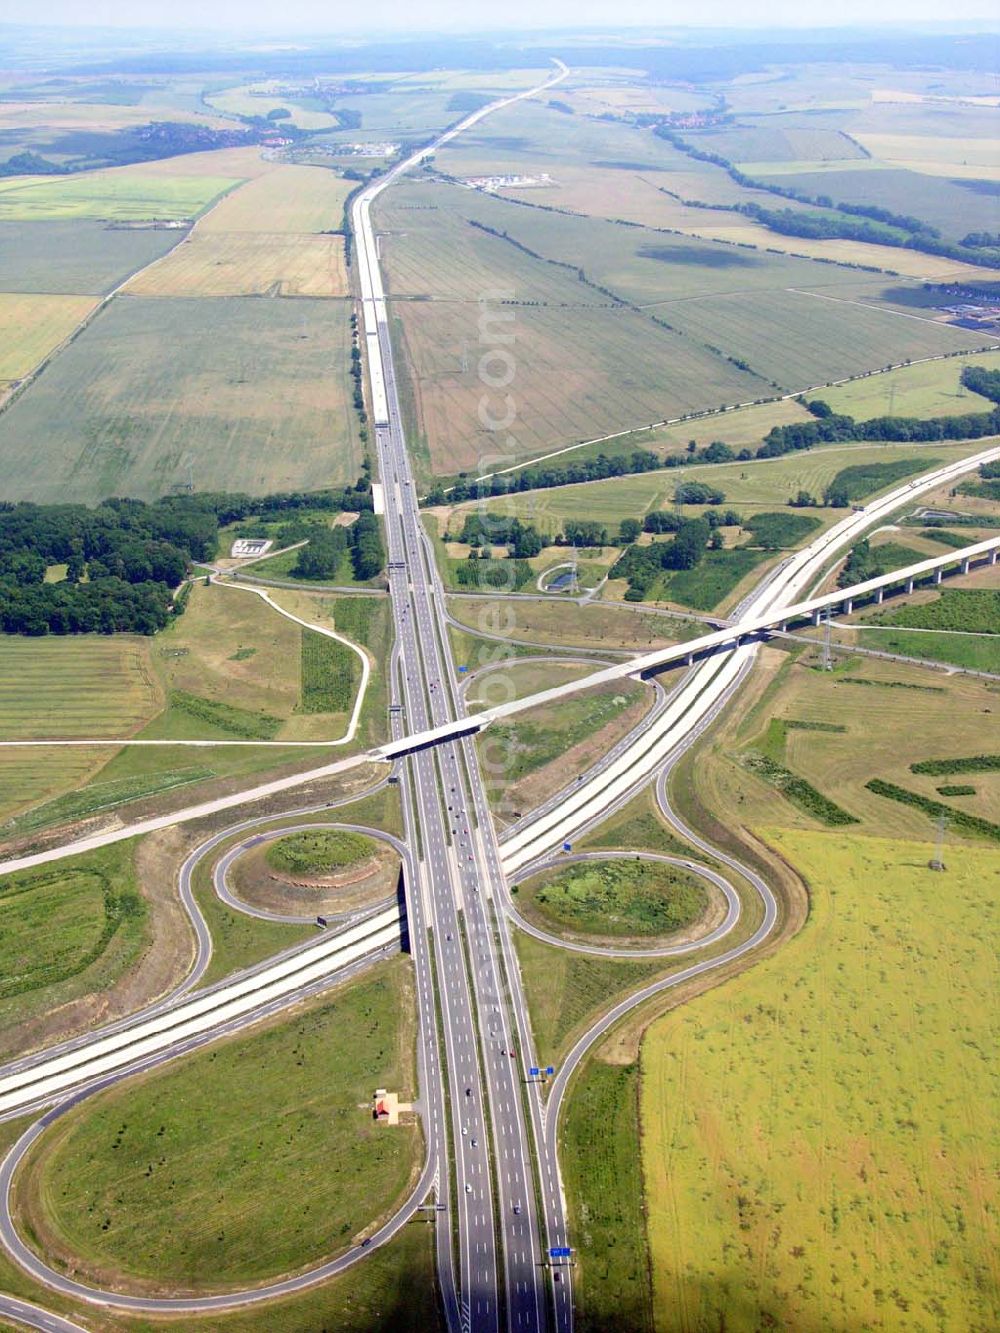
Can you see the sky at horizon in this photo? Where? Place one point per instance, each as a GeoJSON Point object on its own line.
{"type": "Point", "coordinates": [322, 16]}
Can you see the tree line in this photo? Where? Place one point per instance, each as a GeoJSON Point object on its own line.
{"type": "Point", "coordinates": [124, 558]}
{"type": "Point", "coordinates": [835, 427]}
{"type": "Point", "coordinates": [893, 229]}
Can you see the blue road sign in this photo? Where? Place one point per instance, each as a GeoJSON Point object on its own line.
{"type": "Point", "coordinates": [533, 1071]}
{"type": "Point", "coordinates": [567, 846]}
{"type": "Point", "coordinates": [560, 1252]}
{"type": "Point", "coordinates": [463, 668]}
{"type": "Point", "coordinates": [550, 1069]}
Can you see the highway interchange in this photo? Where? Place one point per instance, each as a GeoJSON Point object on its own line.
{"type": "Point", "coordinates": [492, 1140]}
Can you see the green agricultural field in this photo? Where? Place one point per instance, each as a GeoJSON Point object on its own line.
{"type": "Point", "coordinates": [243, 1161]}
{"type": "Point", "coordinates": [159, 392]}
{"type": "Point", "coordinates": [640, 265]}
{"type": "Point", "coordinates": [800, 339]}
{"type": "Point", "coordinates": [955, 207]}
{"type": "Point", "coordinates": [82, 257]}
{"type": "Point", "coordinates": [781, 530]}
{"type": "Point", "coordinates": [582, 372]}
{"type": "Point", "coordinates": [969, 617]}
{"type": "Point", "coordinates": [932, 389]}
{"type": "Point", "coordinates": [836, 1179]}
{"type": "Point", "coordinates": [67, 931]}
{"type": "Point", "coordinates": [319, 853]}
{"type": "Point", "coordinates": [964, 650]}
{"type": "Point", "coordinates": [764, 143]}
{"type": "Point", "coordinates": [122, 194]}
{"type": "Point", "coordinates": [972, 610]}
{"type": "Point", "coordinates": [366, 621]}
{"type": "Point", "coordinates": [331, 674]}
{"type": "Point", "coordinates": [861, 480]}
{"type": "Point", "coordinates": [615, 897]}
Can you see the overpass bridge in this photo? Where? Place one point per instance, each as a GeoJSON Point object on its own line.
{"type": "Point", "coordinates": [726, 639]}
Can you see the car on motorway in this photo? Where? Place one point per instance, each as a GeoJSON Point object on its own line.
{"type": "Point", "coordinates": [517, 1208]}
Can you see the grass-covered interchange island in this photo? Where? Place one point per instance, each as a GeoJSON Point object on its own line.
{"type": "Point", "coordinates": [268, 1136]}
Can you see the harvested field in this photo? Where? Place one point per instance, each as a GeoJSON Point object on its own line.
{"type": "Point", "coordinates": [84, 685]}
{"type": "Point", "coordinates": [285, 199]}
{"type": "Point", "coordinates": [238, 164]}
{"type": "Point", "coordinates": [936, 154]}
{"type": "Point", "coordinates": [953, 712]}
{"type": "Point", "coordinates": [564, 624]}
{"type": "Point", "coordinates": [248, 264]}
{"type": "Point", "coordinates": [85, 257]}
{"type": "Point", "coordinates": [258, 99]}
{"type": "Point", "coordinates": [579, 373]}
{"type": "Point", "coordinates": [68, 687]}
{"type": "Point", "coordinates": [158, 393]}
{"type": "Point", "coordinates": [31, 326]}
{"type": "Point", "coordinates": [890, 259]}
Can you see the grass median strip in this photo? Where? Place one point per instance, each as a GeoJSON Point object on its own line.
{"type": "Point", "coordinates": [600, 1142]}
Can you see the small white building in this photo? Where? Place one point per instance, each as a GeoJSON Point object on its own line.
{"type": "Point", "coordinates": [245, 547]}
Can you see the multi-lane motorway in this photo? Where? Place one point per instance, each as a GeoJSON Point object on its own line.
{"type": "Point", "coordinates": [503, 1214]}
